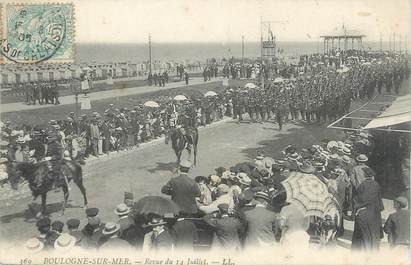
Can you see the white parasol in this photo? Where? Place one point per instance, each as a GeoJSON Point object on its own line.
{"type": "Point", "coordinates": [210, 94]}
{"type": "Point", "coordinates": [180, 97]}
{"type": "Point", "coordinates": [278, 80]}
{"type": "Point", "coordinates": [250, 85]}
{"type": "Point", "coordinates": [151, 104]}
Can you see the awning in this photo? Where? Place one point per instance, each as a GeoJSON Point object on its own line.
{"type": "Point", "coordinates": [380, 113]}
{"type": "Point", "coordinates": [398, 112]}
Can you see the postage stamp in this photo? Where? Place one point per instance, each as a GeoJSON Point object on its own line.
{"type": "Point", "coordinates": [33, 33]}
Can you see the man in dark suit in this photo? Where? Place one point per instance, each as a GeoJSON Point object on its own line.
{"type": "Point", "coordinates": [92, 231]}
{"type": "Point", "coordinates": [160, 237]}
{"type": "Point", "coordinates": [183, 191]}
{"type": "Point", "coordinates": [397, 225]}
{"type": "Point", "coordinates": [128, 229]}
{"type": "Point", "coordinates": [113, 241]}
{"type": "Point", "coordinates": [260, 222]}
{"type": "Point", "coordinates": [72, 226]}
{"type": "Point", "coordinates": [55, 232]}
{"type": "Point", "coordinates": [226, 229]}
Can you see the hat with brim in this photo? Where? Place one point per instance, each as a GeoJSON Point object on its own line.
{"type": "Point", "coordinates": [111, 228]}
{"type": "Point", "coordinates": [346, 151]}
{"type": "Point", "coordinates": [64, 241]}
{"type": "Point", "coordinates": [402, 201]}
{"type": "Point", "coordinates": [122, 209]}
{"type": "Point", "coordinates": [294, 157]}
{"type": "Point", "coordinates": [361, 158]}
{"type": "Point", "coordinates": [33, 245]}
{"type": "Point", "coordinates": [155, 222]}
{"type": "Point", "coordinates": [346, 159]}
{"type": "Point", "coordinates": [262, 195]}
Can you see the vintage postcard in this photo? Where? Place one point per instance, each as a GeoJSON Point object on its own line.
{"type": "Point", "coordinates": [204, 132]}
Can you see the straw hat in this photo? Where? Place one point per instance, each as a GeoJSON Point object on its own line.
{"type": "Point", "coordinates": [33, 245]}
{"type": "Point", "coordinates": [64, 242]}
{"type": "Point", "coordinates": [122, 209]}
{"type": "Point", "coordinates": [361, 158]}
{"type": "Point", "coordinates": [111, 228]}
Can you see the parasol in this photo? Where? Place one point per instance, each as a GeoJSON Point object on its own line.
{"type": "Point", "coordinates": [3, 143]}
{"type": "Point", "coordinates": [155, 205]}
{"type": "Point", "coordinates": [151, 104]}
{"type": "Point", "coordinates": [308, 193]}
{"type": "Point", "coordinates": [278, 80]}
{"type": "Point", "coordinates": [250, 85]}
{"type": "Point", "coordinates": [210, 94]}
{"type": "Point", "coordinates": [180, 97]}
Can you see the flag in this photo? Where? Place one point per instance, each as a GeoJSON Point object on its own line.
{"type": "Point", "coordinates": [271, 38]}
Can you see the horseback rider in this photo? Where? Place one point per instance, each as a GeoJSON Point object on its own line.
{"type": "Point", "coordinates": [187, 124]}
{"type": "Point", "coordinates": [54, 152]}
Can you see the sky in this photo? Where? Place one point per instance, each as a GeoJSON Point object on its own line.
{"type": "Point", "coordinates": [130, 21]}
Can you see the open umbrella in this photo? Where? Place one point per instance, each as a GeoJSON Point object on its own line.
{"type": "Point", "coordinates": [151, 104]}
{"type": "Point", "coordinates": [278, 80]}
{"type": "Point", "coordinates": [210, 94]}
{"type": "Point", "coordinates": [250, 85]}
{"type": "Point", "coordinates": [180, 97]}
{"type": "Point", "coordinates": [155, 205]}
{"type": "Point", "coordinates": [308, 193]}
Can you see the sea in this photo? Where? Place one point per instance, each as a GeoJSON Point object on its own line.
{"type": "Point", "coordinates": [192, 52]}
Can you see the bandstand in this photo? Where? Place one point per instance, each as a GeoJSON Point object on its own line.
{"type": "Point", "coordinates": [342, 39]}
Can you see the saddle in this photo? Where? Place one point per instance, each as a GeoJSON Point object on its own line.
{"type": "Point", "coordinates": [188, 135]}
{"type": "Point", "coordinates": [55, 173]}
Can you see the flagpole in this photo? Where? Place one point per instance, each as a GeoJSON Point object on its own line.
{"type": "Point", "coordinates": [149, 51]}
{"type": "Point", "coordinates": [261, 40]}
{"type": "Point", "coordinates": [242, 56]}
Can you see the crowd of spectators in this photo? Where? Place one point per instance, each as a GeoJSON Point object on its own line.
{"type": "Point", "coordinates": [246, 206]}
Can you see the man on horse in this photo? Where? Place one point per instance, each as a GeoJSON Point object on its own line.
{"type": "Point", "coordinates": [54, 156]}
{"type": "Point", "coordinates": [187, 125]}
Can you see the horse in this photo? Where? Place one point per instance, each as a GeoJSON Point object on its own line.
{"type": "Point", "coordinates": [179, 143]}
{"type": "Point", "coordinates": [37, 175]}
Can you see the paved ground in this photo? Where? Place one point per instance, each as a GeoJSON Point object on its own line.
{"type": "Point", "coordinates": [66, 100]}
{"type": "Point", "coordinates": [146, 169]}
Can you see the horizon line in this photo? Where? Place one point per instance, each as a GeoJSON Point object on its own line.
{"type": "Point", "coordinates": [211, 42]}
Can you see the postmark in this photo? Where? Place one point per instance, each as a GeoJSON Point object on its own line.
{"type": "Point", "coordinates": [34, 33]}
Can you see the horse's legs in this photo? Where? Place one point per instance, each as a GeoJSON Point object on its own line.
{"type": "Point", "coordinates": [195, 153]}
{"type": "Point", "coordinates": [66, 195]}
{"type": "Point", "coordinates": [80, 185]}
{"type": "Point", "coordinates": [43, 205]}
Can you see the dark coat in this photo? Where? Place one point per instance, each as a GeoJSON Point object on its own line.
{"type": "Point", "coordinates": [367, 230]}
{"type": "Point", "coordinates": [185, 234]}
{"type": "Point", "coordinates": [398, 226]}
{"type": "Point", "coordinates": [183, 191]}
{"type": "Point", "coordinates": [259, 226]}
{"type": "Point", "coordinates": [227, 230]}
{"type": "Point", "coordinates": [93, 237]}
{"type": "Point", "coordinates": [367, 221]}
{"type": "Point", "coordinates": [129, 231]}
{"type": "Point", "coordinates": [164, 241]}
{"type": "Point", "coordinates": [51, 238]}
{"type": "Point", "coordinates": [369, 193]}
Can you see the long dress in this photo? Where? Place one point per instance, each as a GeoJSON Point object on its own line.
{"type": "Point", "coordinates": [367, 221]}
